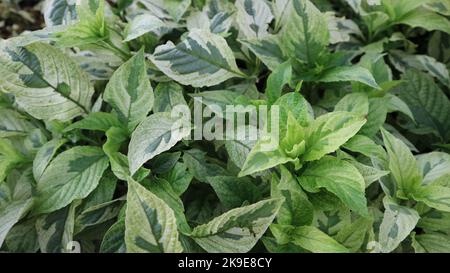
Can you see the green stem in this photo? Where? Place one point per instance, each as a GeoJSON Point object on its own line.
{"type": "Point", "coordinates": [110, 46]}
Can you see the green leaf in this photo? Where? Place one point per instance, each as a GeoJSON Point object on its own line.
{"type": "Point", "coordinates": [339, 177]}
{"type": "Point", "coordinates": [201, 59]}
{"type": "Point", "coordinates": [44, 155]}
{"type": "Point", "coordinates": [402, 164]}
{"type": "Point", "coordinates": [156, 134]}
{"type": "Point", "coordinates": [167, 9]}
{"type": "Point", "coordinates": [296, 210]}
{"type": "Point", "coordinates": [167, 96]}
{"type": "Point", "coordinates": [13, 124]}
{"type": "Point", "coordinates": [395, 104]}
{"type": "Point", "coordinates": [264, 156]}
{"type": "Point", "coordinates": [142, 24]}
{"type": "Point", "coordinates": [328, 132]}
{"type": "Point", "coordinates": [442, 7]}
{"type": "Point", "coordinates": [398, 222]}
{"type": "Point", "coordinates": [298, 106]}
{"type": "Point", "coordinates": [434, 166]}
{"type": "Point", "coordinates": [399, 8]}
{"type": "Point", "coordinates": [431, 243]}
{"type": "Point", "coordinates": [277, 80]}
{"type": "Point", "coordinates": [237, 230]}
{"type": "Point", "coordinates": [98, 214]}
{"type": "Point", "coordinates": [114, 239]}
{"type": "Point", "coordinates": [10, 157]}
{"type": "Point", "coordinates": [357, 103]}
{"type": "Point", "coordinates": [97, 121]}
{"type": "Point", "coordinates": [426, 19]}
{"type": "Point", "coordinates": [115, 137]}
{"type": "Point", "coordinates": [434, 220]}
{"type": "Point", "coordinates": [163, 190]}
{"type": "Point", "coordinates": [353, 235]}
{"type": "Point", "coordinates": [253, 18]}
{"type": "Point", "coordinates": [129, 91]}
{"type": "Point", "coordinates": [267, 49]}
{"type": "Point", "coordinates": [56, 230]}
{"type": "Point", "coordinates": [150, 224]}
{"type": "Point", "coordinates": [341, 28]}
{"type": "Point", "coordinates": [238, 150]}
{"type": "Point", "coordinates": [59, 12]}
{"type": "Point", "coordinates": [233, 192]}
{"type": "Point", "coordinates": [23, 238]}
{"type": "Point", "coordinates": [349, 74]}
{"type": "Point", "coordinates": [11, 214]}
{"type": "Point", "coordinates": [376, 117]}
{"type": "Point", "coordinates": [45, 82]}
{"type": "Point", "coordinates": [200, 166]}
{"type": "Point", "coordinates": [72, 175]}
{"type": "Point", "coordinates": [429, 105]}
{"type": "Point", "coordinates": [15, 200]}
{"type": "Point", "coordinates": [403, 61]}
{"type": "Point", "coordinates": [366, 146]}
{"type": "Point", "coordinates": [305, 33]}
{"type": "Point", "coordinates": [90, 27]}
{"type": "Point", "coordinates": [370, 174]}
{"type": "Point", "coordinates": [309, 238]}
{"type": "Point", "coordinates": [179, 178]}
{"type": "Point", "coordinates": [434, 196]}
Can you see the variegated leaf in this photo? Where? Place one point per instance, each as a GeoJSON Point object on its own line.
{"type": "Point", "coordinates": [150, 224]}
{"type": "Point", "coordinates": [253, 18]}
{"type": "Point", "coordinates": [305, 34]}
{"type": "Point", "coordinates": [59, 12]}
{"type": "Point", "coordinates": [156, 134]}
{"type": "Point", "coordinates": [129, 91]}
{"type": "Point", "coordinates": [237, 230]}
{"type": "Point", "coordinates": [45, 82]}
{"type": "Point", "coordinates": [201, 59]}
{"type": "Point", "coordinates": [82, 166]}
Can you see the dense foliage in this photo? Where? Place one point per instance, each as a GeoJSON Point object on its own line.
{"type": "Point", "coordinates": [92, 159]}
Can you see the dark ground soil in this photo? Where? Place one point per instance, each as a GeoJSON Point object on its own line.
{"type": "Point", "coordinates": [17, 17]}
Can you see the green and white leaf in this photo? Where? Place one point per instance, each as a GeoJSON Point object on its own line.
{"type": "Point", "coordinates": [253, 18]}
{"type": "Point", "coordinates": [328, 132]}
{"type": "Point", "coordinates": [398, 222]}
{"type": "Point", "coordinates": [237, 230]}
{"type": "Point", "coordinates": [309, 238]}
{"type": "Point", "coordinates": [56, 230]}
{"type": "Point", "coordinates": [82, 166]}
{"type": "Point", "coordinates": [201, 59]}
{"type": "Point", "coordinates": [437, 197]}
{"type": "Point", "coordinates": [13, 124]}
{"type": "Point", "coordinates": [150, 224]}
{"type": "Point", "coordinates": [339, 177]}
{"type": "Point", "coordinates": [167, 9]}
{"type": "Point", "coordinates": [142, 24]}
{"type": "Point", "coordinates": [305, 34]}
{"type": "Point", "coordinates": [45, 82]}
{"type": "Point", "coordinates": [44, 155]}
{"type": "Point", "coordinates": [428, 103]}
{"type": "Point", "coordinates": [403, 61]}
{"type": "Point", "coordinates": [156, 134]}
{"type": "Point", "coordinates": [402, 165]}
{"type": "Point", "coordinates": [349, 74]}
{"type": "Point", "coordinates": [59, 12]}
{"type": "Point", "coordinates": [129, 91]}
{"type": "Point", "coordinates": [168, 95]}
{"type": "Point", "coordinates": [434, 166]}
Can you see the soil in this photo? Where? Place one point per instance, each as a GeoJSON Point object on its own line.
{"type": "Point", "coordinates": [18, 16]}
